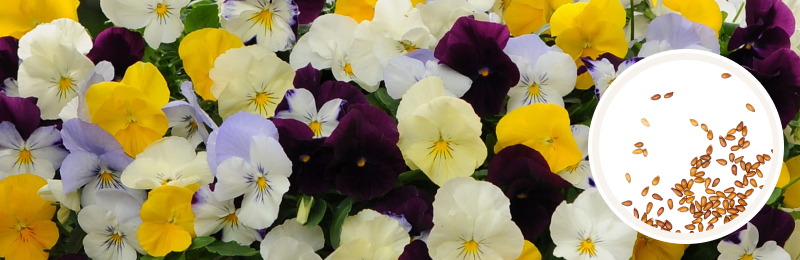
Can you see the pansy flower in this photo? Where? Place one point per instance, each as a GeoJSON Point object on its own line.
{"type": "Point", "coordinates": [534, 191]}
{"type": "Point", "coordinates": [42, 39]}
{"type": "Point", "coordinates": [770, 23]}
{"type": "Point", "coordinates": [580, 174]}
{"type": "Point", "coordinates": [251, 79]}
{"type": "Point", "coordinates": [441, 136]}
{"type": "Point", "coordinates": [410, 203]}
{"type": "Point", "coordinates": [649, 248]}
{"type": "Point", "coordinates": [416, 250]}
{"type": "Point", "coordinates": [212, 216]}
{"type": "Point", "coordinates": [588, 229]}
{"type": "Point", "coordinates": [475, 49]}
{"type": "Point", "coordinates": [21, 16]}
{"type": "Point", "coordinates": [703, 11]}
{"type": "Point", "coordinates": [268, 23]}
{"type": "Point", "coordinates": [404, 71]}
{"type": "Point", "coordinates": [545, 75]}
{"type": "Point", "coordinates": [9, 62]}
{"type": "Point", "coordinates": [69, 201]}
{"type": "Point", "coordinates": [26, 230]}
{"type": "Point", "coordinates": [590, 29]}
{"type": "Point", "coordinates": [27, 148]}
{"type": "Point", "coordinates": [744, 245]}
{"type": "Point", "coordinates": [95, 162]}
{"type": "Point", "coordinates": [543, 127]}
{"type": "Point", "coordinates": [440, 15]}
{"type": "Point", "coordinates": [528, 16]}
{"type": "Point", "coordinates": [169, 161]}
{"type": "Point", "coordinates": [673, 31]}
{"type": "Point", "coordinates": [366, 160]}
{"type": "Point", "coordinates": [199, 50]}
{"type": "Point", "coordinates": [119, 46]}
{"type": "Point", "coordinates": [111, 226]}
{"type": "Point", "coordinates": [292, 240]}
{"type": "Point", "coordinates": [234, 137]}
{"type": "Point", "coordinates": [370, 235]}
{"type": "Point", "coordinates": [780, 75]}
{"type": "Point", "coordinates": [187, 119]}
{"type": "Point", "coordinates": [605, 69]}
{"type": "Point", "coordinates": [337, 32]}
{"type": "Point", "coordinates": [167, 221]}
{"type": "Point", "coordinates": [77, 107]}
{"type": "Point", "coordinates": [361, 10]}
{"type": "Point", "coordinates": [160, 18]}
{"type": "Point", "coordinates": [309, 157]}
{"type": "Point", "coordinates": [472, 219]}
{"type": "Point", "coordinates": [773, 225]}
{"type": "Point", "coordinates": [791, 195]}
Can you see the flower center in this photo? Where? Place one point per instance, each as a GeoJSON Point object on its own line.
{"type": "Point", "coordinates": [64, 85]}
{"type": "Point", "coordinates": [587, 247]}
{"type": "Point", "coordinates": [746, 257]}
{"type": "Point", "coordinates": [611, 81]}
{"type": "Point", "coordinates": [25, 157]}
{"type": "Point", "coordinates": [316, 127]}
{"type": "Point", "coordinates": [573, 168]}
{"type": "Point", "coordinates": [534, 91]}
{"type": "Point", "coordinates": [231, 219]}
{"type": "Point", "coordinates": [408, 46]}
{"type": "Point", "coordinates": [361, 162]}
{"type": "Point", "coordinates": [106, 179]}
{"type": "Point", "coordinates": [348, 69]}
{"type": "Point", "coordinates": [305, 158]}
{"type": "Point", "coordinates": [162, 10]}
{"type": "Point", "coordinates": [166, 181]}
{"type": "Point", "coordinates": [522, 196]}
{"type": "Point", "coordinates": [115, 238]}
{"type": "Point", "coordinates": [470, 248]}
{"type": "Point", "coordinates": [748, 46]}
{"type": "Point", "coordinates": [261, 101]}
{"type": "Point", "coordinates": [261, 184]}
{"type": "Point", "coordinates": [26, 234]}
{"type": "Point", "coordinates": [484, 72]}
{"type": "Point", "coordinates": [441, 148]}
{"type": "Point", "coordinates": [264, 18]}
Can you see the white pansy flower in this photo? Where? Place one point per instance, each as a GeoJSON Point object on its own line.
{"type": "Point", "coordinates": [328, 38]}
{"type": "Point", "coordinates": [169, 161]}
{"type": "Point", "coordinates": [186, 118]}
{"type": "Point", "coordinates": [404, 71]}
{"type": "Point", "coordinates": [160, 18]}
{"type": "Point", "coordinates": [744, 247]}
{"type": "Point", "coordinates": [45, 37]}
{"type": "Point", "coordinates": [303, 108]}
{"type": "Point", "coordinates": [39, 155]}
{"type": "Point", "coordinates": [545, 75]}
{"type": "Point", "coordinates": [292, 240]}
{"type": "Point", "coordinates": [604, 72]}
{"type": "Point", "coordinates": [111, 226]}
{"type": "Point", "coordinates": [269, 23]}
{"type": "Point", "coordinates": [212, 215]}
{"type": "Point", "coordinates": [370, 235]}
{"type": "Point", "coordinates": [580, 174]}
{"type": "Point", "coordinates": [77, 108]}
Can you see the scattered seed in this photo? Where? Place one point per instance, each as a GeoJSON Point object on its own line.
{"type": "Point", "coordinates": [767, 157]}
{"type": "Point", "coordinates": [722, 141]}
{"type": "Point", "coordinates": [710, 227]}
{"type": "Point", "coordinates": [739, 159]}
{"type": "Point", "coordinates": [669, 203]}
{"type": "Point", "coordinates": [645, 123]}
{"type": "Point", "coordinates": [709, 191]}
{"type": "Point", "coordinates": [694, 122]}
{"type": "Point", "coordinates": [635, 213]}
{"type": "Point", "coordinates": [713, 198]}
{"type": "Point", "coordinates": [656, 97]}
{"type": "Point", "coordinates": [738, 184]}
{"type": "Point", "coordinates": [705, 164]}
{"type": "Point", "coordinates": [758, 172]}
{"type": "Point", "coordinates": [733, 169]}
{"type": "Point", "coordinates": [627, 203]}
{"type": "Point", "coordinates": [644, 217]}
{"type": "Point", "coordinates": [699, 179]}
{"type": "Point", "coordinates": [677, 192]}
{"type": "Point", "coordinates": [707, 182]}
{"type": "Point", "coordinates": [684, 184]}
{"type": "Point", "coordinates": [740, 208]}
{"type": "Point", "coordinates": [709, 150]}
{"type": "Point", "coordinates": [735, 148]}
{"type": "Point", "coordinates": [742, 202]}
{"type": "Point", "coordinates": [637, 151]}
{"type": "Point", "coordinates": [660, 211]}
{"type": "Point", "coordinates": [689, 227]}
{"type": "Point", "coordinates": [716, 181]}
{"type": "Point", "coordinates": [722, 162]}
{"type": "Point", "coordinates": [707, 214]}
{"type": "Point", "coordinates": [644, 192]}
{"type": "Point", "coordinates": [744, 131]}
{"type": "Point", "coordinates": [657, 197]}
{"type": "Point", "coordinates": [760, 158]}
{"type": "Point", "coordinates": [668, 95]}
{"type": "Point", "coordinates": [656, 180]}
{"type": "Point", "coordinates": [729, 190]}
{"type": "Point", "coordinates": [730, 138]}
{"type": "Point", "coordinates": [710, 135]}
{"type": "Point", "coordinates": [748, 192]}
{"type": "Point", "coordinates": [704, 127]}
{"type": "Point", "coordinates": [700, 227]}
{"type": "Point", "coordinates": [753, 182]}
{"type": "Point", "coordinates": [720, 210]}
{"type": "Point", "coordinates": [705, 157]}
{"type": "Point", "coordinates": [750, 107]}
{"type": "Point", "coordinates": [746, 144]}
{"type": "Point", "coordinates": [639, 144]}
{"type": "Point", "coordinates": [692, 172]}
{"type": "Point", "coordinates": [683, 209]}
{"type": "Point", "coordinates": [682, 201]}
{"type": "Point", "coordinates": [739, 126]}
{"type": "Point", "coordinates": [679, 187]}
{"type": "Point", "coordinates": [644, 152]}
{"type": "Point", "coordinates": [698, 175]}
{"type": "Point", "coordinates": [690, 184]}
{"type": "Point", "coordinates": [649, 207]}
{"type": "Point", "coordinates": [628, 177]}
{"type": "Point", "coordinates": [733, 211]}
{"type": "Point", "coordinates": [726, 75]}
{"type": "Point", "coordinates": [732, 131]}
{"type": "Point", "coordinates": [725, 204]}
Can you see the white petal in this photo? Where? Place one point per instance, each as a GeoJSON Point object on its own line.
{"type": "Point", "coordinates": [554, 70]}
{"type": "Point", "coordinates": [267, 153]}
{"type": "Point", "coordinates": [771, 250]}
{"type": "Point", "coordinates": [287, 248]}
{"type": "Point", "coordinates": [234, 177]}
{"type": "Point", "coordinates": [302, 106]}
{"type": "Point", "coordinates": [311, 236]}
{"type": "Point", "coordinates": [454, 82]}
{"type": "Point", "coordinates": [401, 73]}
{"type": "Point", "coordinates": [420, 93]}
{"type": "Point", "coordinates": [96, 219]}
{"type": "Point", "coordinates": [128, 14]}
{"type": "Point", "coordinates": [530, 47]}
{"type": "Point", "coordinates": [328, 115]}
{"type": "Point", "coordinates": [54, 191]}
{"type": "Point", "coordinates": [122, 204]}
{"type": "Point", "coordinates": [380, 230]}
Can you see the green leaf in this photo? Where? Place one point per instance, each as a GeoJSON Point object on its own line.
{"type": "Point", "coordinates": [387, 101]}
{"type": "Point", "coordinates": [149, 257]}
{"type": "Point", "coordinates": [204, 16]}
{"type": "Point", "coordinates": [230, 249]}
{"type": "Point", "coordinates": [410, 176]}
{"type": "Point", "coordinates": [342, 211]}
{"type": "Point", "coordinates": [176, 256]}
{"type": "Point", "coordinates": [317, 212]}
{"type": "Point", "coordinates": [480, 174]}
{"type": "Point", "coordinates": [200, 242]}
{"type": "Point", "coordinates": [775, 195]}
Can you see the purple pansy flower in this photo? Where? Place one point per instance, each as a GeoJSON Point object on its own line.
{"type": "Point", "coordinates": [187, 119]}
{"type": "Point", "coordinates": [475, 49]}
{"type": "Point", "coordinates": [416, 250]}
{"type": "Point", "coordinates": [366, 159]}
{"type": "Point", "coordinates": [402, 72]}
{"type": "Point", "coordinates": [25, 146]}
{"type": "Point", "coordinates": [673, 31]}
{"type": "Point", "coordinates": [773, 225]}
{"type": "Point", "coordinates": [309, 10]}
{"type": "Point", "coordinates": [415, 205]}
{"type": "Point", "coordinates": [534, 191]}
{"type": "Point", "coordinates": [119, 46]}
{"type": "Point", "coordinates": [780, 75]}
{"type": "Point", "coordinates": [9, 61]}
{"type": "Point", "coordinates": [309, 157]}
{"type": "Point", "coordinates": [95, 162]}
{"type": "Point", "coordinates": [605, 69]}
{"type": "Point", "coordinates": [770, 23]}
{"type": "Point", "coordinates": [233, 138]}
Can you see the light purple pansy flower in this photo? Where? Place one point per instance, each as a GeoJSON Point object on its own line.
{"type": "Point", "coordinates": [404, 71]}
{"type": "Point", "coordinates": [95, 162]}
{"type": "Point", "coordinates": [605, 70]}
{"type": "Point", "coordinates": [673, 31]}
{"type": "Point", "coordinates": [546, 74]}
{"type": "Point", "coordinates": [233, 138]}
{"type": "Point", "coordinates": [26, 146]}
{"type": "Point", "coordinates": [187, 119]}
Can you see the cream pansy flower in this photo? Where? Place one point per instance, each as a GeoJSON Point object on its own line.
{"type": "Point", "coordinates": [251, 79]}
{"type": "Point", "coordinates": [269, 23]}
{"type": "Point", "coordinates": [292, 240]}
{"type": "Point", "coordinates": [441, 136]}
{"type": "Point", "coordinates": [546, 75]}
{"type": "Point", "coordinates": [587, 229]}
{"type": "Point", "coordinates": [169, 161]}
{"type": "Point", "coordinates": [111, 226]}
{"type": "Point", "coordinates": [42, 39]}
{"type": "Point", "coordinates": [211, 216]}
{"type": "Point", "coordinates": [440, 15]}
{"type": "Point", "coordinates": [54, 192]}
{"type": "Point", "coordinates": [160, 18]}
{"type": "Point", "coordinates": [793, 244]}
{"type": "Point", "coordinates": [325, 45]}
{"type": "Point", "coordinates": [370, 235]}
{"type": "Point", "coordinates": [746, 247]}
{"type": "Point", "coordinates": [580, 174]}
{"type": "Point", "coordinates": [472, 220]}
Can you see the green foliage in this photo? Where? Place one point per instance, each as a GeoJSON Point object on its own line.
{"type": "Point", "coordinates": [342, 211]}
{"type": "Point", "coordinates": [318, 210]}
{"type": "Point", "coordinates": [202, 16]}
{"type": "Point", "coordinates": [230, 249]}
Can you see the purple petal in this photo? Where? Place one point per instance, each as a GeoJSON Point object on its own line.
{"type": "Point", "coordinates": [780, 75]}
{"type": "Point", "coordinates": [9, 61]}
{"type": "Point", "coordinates": [413, 204]}
{"type": "Point", "coordinates": [233, 138]}
{"type": "Point", "coordinates": [82, 136]}
{"type": "Point", "coordinates": [773, 225]}
{"type": "Point", "coordinates": [119, 46]}
{"type": "Point", "coordinates": [532, 205]}
{"type": "Point", "coordinates": [309, 10]}
{"type": "Point", "coordinates": [342, 90]}
{"type": "Point", "coordinates": [22, 112]}
{"type": "Point", "coordinates": [309, 158]}
{"type": "Point", "coordinates": [78, 168]}
{"type": "Point", "coordinates": [416, 250]}
{"type": "Point", "coordinates": [470, 31]}
{"type": "Point", "coordinates": [423, 55]}
{"type": "Point", "coordinates": [116, 160]}
{"type": "Point", "coordinates": [773, 39]}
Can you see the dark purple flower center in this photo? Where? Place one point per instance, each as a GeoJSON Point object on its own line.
{"type": "Point", "coordinates": [361, 162]}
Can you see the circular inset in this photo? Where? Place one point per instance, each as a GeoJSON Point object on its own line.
{"type": "Point", "coordinates": [706, 158]}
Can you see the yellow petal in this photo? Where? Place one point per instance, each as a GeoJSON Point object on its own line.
{"type": "Point", "coordinates": [572, 41]}
{"type": "Point", "coordinates": [564, 17]}
{"type": "Point", "coordinates": [603, 38]}
{"type": "Point", "coordinates": [584, 81]}
{"type": "Point", "coordinates": [98, 94]}
{"type": "Point", "coordinates": [20, 16]}
{"type": "Point", "coordinates": [170, 204]}
{"type": "Point", "coordinates": [160, 238]}
{"type": "Point", "coordinates": [21, 198]}
{"type": "Point", "coordinates": [604, 10]}
{"type": "Point", "coordinates": [199, 50]}
{"type": "Point", "coordinates": [147, 78]}
{"type": "Point", "coordinates": [700, 11]}
{"type": "Point", "coordinates": [522, 18]}
{"type": "Point", "coordinates": [784, 178]}
{"type": "Point", "coordinates": [791, 196]}
{"type": "Point", "coordinates": [647, 248]}
{"type": "Point", "coordinates": [530, 252]}
{"type": "Point", "coordinates": [359, 10]}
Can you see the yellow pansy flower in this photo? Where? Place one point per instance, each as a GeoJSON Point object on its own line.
{"type": "Point", "coordinates": [18, 17]}
{"type": "Point", "coordinates": [543, 127]}
{"type": "Point", "coordinates": [706, 12]}
{"type": "Point", "coordinates": [530, 252]}
{"type": "Point", "coordinates": [26, 229]}
{"type": "Point", "coordinates": [131, 110]}
{"type": "Point", "coordinates": [199, 50]}
{"type": "Point", "coordinates": [647, 248]}
{"type": "Point", "coordinates": [791, 195]}
{"type": "Point", "coordinates": [361, 10]}
{"type": "Point", "coordinates": [527, 16]}
{"type": "Point", "coordinates": [167, 221]}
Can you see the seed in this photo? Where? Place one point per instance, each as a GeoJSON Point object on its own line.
{"type": "Point", "coordinates": [707, 182]}
{"type": "Point", "coordinates": [644, 152]}
{"type": "Point", "coordinates": [710, 227]}
{"type": "Point", "coordinates": [697, 218]}
{"type": "Point", "coordinates": [627, 203]}
{"type": "Point", "coordinates": [668, 95]}
{"type": "Point", "coordinates": [760, 158]}
{"type": "Point", "coordinates": [639, 144]}
{"type": "Point", "coordinates": [729, 190]}
{"type": "Point", "coordinates": [628, 177]}
{"type": "Point", "coordinates": [709, 150]}
{"type": "Point", "coordinates": [649, 222]}
{"type": "Point", "coordinates": [656, 97]}
{"type": "Point", "coordinates": [760, 175]}
{"type": "Point", "coordinates": [730, 138]}
{"type": "Point", "coordinates": [727, 219]}
{"type": "Point", "coordinates": [722, 141]}
{"type": "Point", "coordinates": [667, 225]}
{"type": "Point", "coordinates": [689, 227]}
{"type": "Point", "coordinates": [748, 192]}
{"type": "Point", "coordinates": [733, 216]}
{"type": "Point", "coordinates": [720, 194]}
{"type": "Point", "coordinates": [703, 200]}
{"type": "Point", "coordinates": [755, 166]}
{"type": "Point", "coordinates": [746, 144]}
{"type": "Point", "coordinates": [682, 201]}
{"type": "Point", "coordinates": [684, 184]}
{"type": "Point", "coordinates": [716, 204]}
{"type": "Point", "coordinates": [713, 198]}
{"type": "Point", "coordinates": [750, 107]}
{"type": "Point", "coordinates": [700, 227]}
{"type": "Point", "coordinates": [657, 197]}
{"type": "Point", "coordinates": [738, 184]}
{"type": "Point", "coordinates": [637, 151]}
{"type": "Point", "coordinates": [740, 208]}
{"type": "Point", "coordinates": [735, 148]}
{"type": "Point", "coordinates": [720, 210]}
{"type": "Point", "coordinates": [644, 192]}
{"type": "Point", "coordinates": [692, 172]}
{"type": "Point", "coordinates": [690, 184]}
{"type": "Point", "coordinates": [690, 199]}
{"type": "Point", "coordinates": [644, 217]}
{"type": "Point", "coordinates": [694, 122]}
{"type": "Point", "coordinates": [739, 127]}
{"type": "Point", "coordinates": [732, 131]}
{"type": "Point", "coordinates": [739, 159]}
{"type": "Point", "coordinates": [694, 161]}
{"type": "Point", "coordinates": [698, 175]}
{"type": "Point", "coordinates": [660, 223]}
{"type": "Point", "coordinates": [691, 208]}
{"type": "Point", "coordinates": [747, 167]}
{"type": "Point", "coordinates": [733, 169]}
{"type": "Point", "coordinates": [731, 196]}
{"type": "Point", "coordinates": [649, 207]}
{"type": "Point", "coordinates": [726, 75]}
{"type": "Point", "coordinates": [688, 193]}
{"type": "Point", "coordinates": [705, 164]}
{"type": "Point", "coordinates": [710, 135]}
{"type": "Point", "coordinates": [744, 131]}
{"type": "Point", "coordinates": [678, 187]}
{"type": "Point", "coordinates": [733, 211]}
{"type": "Point", "coordinates": [683, 209]}
{"type": "Point", "coordinates": [669, 203]}
{"type": "Point", "coordinates": [705, 157]}
{"type": "Point", "coordinates": [645, 123]}
{"type": "Point", "coordinates": [704, 127]}
{"type": "Point", "coordinates": [716, 181]}
{"type": "Point", "coordinates": [709, 191]}
{"type": "Point", "coordinates": [660, 211]}
{"type": "Point", "coordinates": [725, 204]}
{"type": "Point", "coordinates": [722, 162]}
{"type": "Point", "coordinates": [742, 202]}
{"type": "Point", "coordinates": [677, 231]}
{"type": "Point", "coordinates": [635, 213]}
{"type": "Point", "coordinates": [767, 157]}
{"type": "Point", "coordinates": [753, 182]}
{"type": "Point", "coordinates": [749, 174]}
{"type": "Point", "coordinates": [707, 207]}
{"type": "Point", "coordinates": [707, 214]}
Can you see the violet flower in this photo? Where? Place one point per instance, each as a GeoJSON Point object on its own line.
{"type": "Point", "coordinates": [534, 191]}
{"type": "Point", "coordinates": [773, 225]}
{"type": "Point", "coordinates": [309, 157]}
{"type": "Point", "coordinates": [233, 137]}
{"type": "Point", "coordinates": [605, 69]}
{"type": "Point", "coordinates": [673, 31]}
{"type": "Point", "coordinates": [309, 10]}
{"type": "Point", "coordinates": [475, 49]}
{"type": "Point", "coordinates": [187, 119]}
{"type": "Point", "coordinates": [9, 61]}
{"type": "Point", "coordinates": [770, 23]}
{"type": "Point", "coordinates": [415, 205]}
{"type": "Point", "coordinates": [25, 146]}
{"type": "Point", "coordinates": [780, 75]}
{"type": "Point", "coordinates": [119, 46]}
{"type": "Point", "coordinates": [366, 159]}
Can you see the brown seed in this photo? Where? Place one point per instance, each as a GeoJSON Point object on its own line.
{"type": "Point", "coordinates": [649, 207]}
{"type": "Point", "coordinates": [649, 222]}
{"type": "Point", "coordinates": [709, 191]}
{"type": "Point", "coordinates": [668, 95]}
{"type": "Point", "coordinates": [710, 227]}
{"type": "Point", "coordinates": [730, 138]}
{"type": "Point", "coordinates": [645, 123]}
{"type": "Point", "coordinates": [713, 198]}
{"type": "Point", "coordinates": [677, 231]}
{"type": "Point", "coordinates": [722, 141]}
{"type": "Point", "coordinates": [705, 164]}
{"type": "Point", "coordinates": [628, 177]}
{"type": "Point", "coordinates": [713, 220]}
{"type": "Point", "coordinates": [760, 158]}
{"type": "Point", "coordinates": [738, 184]}
{"type": "Point", "coordinates": [742, 202]}
{"type": "Point", "coordinates": [709, 150]}
{"type": "Point", "coordinates": [720, 194]}
{"type": "Point", "coordinates": [733, 216]}
{"type": "Point", "coordinates": [657, 197]}
{"type": "Point", "coordinates": [749, 174]}
{"type": "Point", "coordinates": [732, 131]}
{"type": "Point", "coordinates": [710, 135]}
{"type": "Point", "coordinates": [740, 208]}
{"type": "Point", "coordinates": [660, 223]}
{"type": "Point", "coordinates": [635, 213]}
{"type": "Point", "coordinates": [705, 157]}
{"type": "Point", "coordinates": [741, 196]}
{"type": "Point", "coordinates": [739, 159]}
{"type": "Point", "coordinates": [690, 184]}
{"type": "Point", "coordinates": [697, 218]}
{"type": "Point", "coordinates": [722, 162]}
{"type": "Point", "coordinates": [733, 211]}
{"type": "Point", "coordinates": [644, 152]}
{"type": "Point", "coordinates": [669, 203]}
{"type": "Point", "coordinates": [720, 210]}
{"type": "Point", "coordinates": [688, 193]}
{"type": "Point", "coordinates": [767, 157]}
{"type": "Point", "coordinates": [682, 201]}
{"type": "Point", "coordinates": [733, 169]}
{"type": "Point", "coordinates": [707, 207]}
{"type": "Point", "coordinates": [725, 204]}
{"type": "Point", "coordinates": [690, 199]}
{"type": "Point", "coordinates": [667, 225]}
{"type": "Point", "coordinates": [703, 200]}
{"type": "Point", "coordinates": [731, 196]}
{"type": "Point", "coordinates": [748, 192]}
{"type": "Point", "coordinates": [689, 227]}
{"type": "Point", "coordinates": [644, 217]}
{"type": "Point", "coordinates": [760, 175]}
{"type": "Point", "coordinates": [743, 166]}
{"type": "Point", "coordinates": [707, 214]}
{"type": "Point", "coordinates": [660, 211]}
{"type": "Point", "coordinates": [746, 144]}
{"type": "Point", "coordinates": [704, 127]}
{"type": "Point", "coordinates": [627, 203]}
{"type": "Point", "coordinates": [637, 151]}
{"type": "Point", "coordinates": [727, 219]}
{"type": "Point", "coordinates": [754, 183]}
{"type": "Point", "coordinates": [735, 148]}
{"type": "Point", "coordinates": [694, 122]}
{"type": "Point", "coordinates": [684, 184]}
{"type": "Point", "coordinates": [639, 144]}
{"type": "Point", "coordinates": [691, 208]}
{"type": "Point", "coordinates": [692, 171]}
{"type": "Point", "coordinates": [716, 204]}
{"type": "Point", "coordinates": [683, 209]}
{"type": "Point", "coordinates": [678, 187]}
{"type": "Point", "coordinates": [708, 182]}
{"type": "Point", "coordinates": [744, 131]}
{"type": "Point", "coordinates": [755, 166]}
{"type": "Point", "coordinates": [694, 161]}
{"type": "Point", "coordinates": [750, 107]}
{"type": "Point", "coordinates": [656, 97]}
{"type": "Point", "coordinates": [698, 175]}
{"type": "Point", "coordinates": [700, 227]}
{"type": "Point", "coordinates": [739, 126]}
{"type": "Point", "coordinates": [747, 167]}
{"type": "Point", "coordinates": [729, 190]}
{"type": "Point", "coordinates": [644, 192]}
{"type": "Point", "coordinates": [726, 75]}
{"type": "Point", "coordinates": [731, 157]}
{"type": "Point", "coordinates": [716, 181]}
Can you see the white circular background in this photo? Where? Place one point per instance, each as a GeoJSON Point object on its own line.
{"type": "Point", "coordinates": [702, 94]}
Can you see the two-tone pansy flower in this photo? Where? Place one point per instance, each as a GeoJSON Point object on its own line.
{"type": "Point", "coordinates": [706, 12]}
{"type": "Point", "coordinates": [213, 216]}
{"type": "Point", "coordinates": [111, 226]}
{"type": "Point", "coordinates": [404, 71]}
{"type": "Point", "coordinates": [187, 119]}
{"type": "Point", "coordinates": [25, 147]}
{"type": "Point", "coordinates": [199, 50]}
{"type": "Point", "coordinates": [546, 75]}
{"type": "Point", "coordinates": [673, 31]}
{"type": "Point", "coordinates": [266, 23]}
{"type": "Point", "coordinates": [161, 19]}
{"type": "Point", "coordinates": [604, 70]}
{"type": "Point", "coordinates": [744, 245]}
{"type": "Point", "coordinates": [580, 174]}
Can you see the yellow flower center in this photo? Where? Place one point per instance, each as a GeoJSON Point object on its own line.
{"type": "Point", "coordinates": [64, 85]}
{"type": "Point", "coordinates": [106, 179]}
{"type": "Point", "coordinates": [361, 162]}
{"type": "Point", "coordinates": [348, 69]}
{"type": "Point", "coordinates": [748, 46]}
{"type": "Point", "coordinates": [115, 239]}
{"type": "Point", "coordinates": [261, 101]}
{"type": "Point", "coordinates": [470, 248]}
{"type": "Point", "coordinates": [746, 257]}
{"type": "Point", "coordinates": [587, 247]}
{"type": "Point", "coordinates": [264, 18]}
{"type": "Point", "coordinates": [573, 168]}
{"type": "Point", "coordinates": [610, 81]}
{"type": "Point", "coordinates": [441, 149]}
{"type": "Point", "coordinates": [231, 219]}
{"type": "Point", "coordinates": [25, 157]}
{"type": "Point", "coordinates": [162, 10]}
{"type": "Point", "coordinates": [305, 158]}
{"type": "Point", "coordinates": [26, 234]}
{"type": "Point", "coordinates": [193, 125]}
{"type": "Point", "coordinates": [408, 46]}
{"type": "Point", "coordinates": [522, 196]}
{"type": "Point", "coordinates": [262, 184]}
{"type": "Point", "coordinates": [484, 72]}
{"type": "Point", "coordinates": [166, 181]}
{"type": "Point", "coordinates": [316, 127]}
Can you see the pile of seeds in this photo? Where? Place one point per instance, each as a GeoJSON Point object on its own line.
{"type": "Point", "coordinates": [715, 202]}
